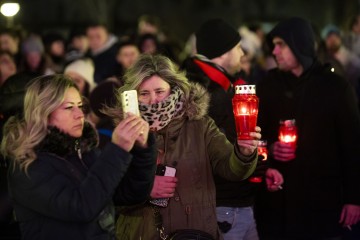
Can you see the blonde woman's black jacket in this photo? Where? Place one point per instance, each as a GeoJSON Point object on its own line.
{"type": "Point", "coordinates": [65, 197]}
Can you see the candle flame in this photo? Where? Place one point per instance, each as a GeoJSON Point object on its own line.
{"type": "Point", "coordinates": [244, 110]}
{"type": "Point", "coordinates": [288, 138]}
{"type": "Point", "coordinates": [262, 151]}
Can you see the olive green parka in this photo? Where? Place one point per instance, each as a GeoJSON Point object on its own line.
{"type": "Point", "coordinates": [197, 149]}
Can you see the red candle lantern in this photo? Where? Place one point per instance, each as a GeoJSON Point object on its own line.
{"type": "Point", "coordinates": [288, 132]}
{"type": "Point", "coordinates": [263, 154]}
{"type": "Point", "coordinates": [245, 107]}
{"type": "Point", "coordinates": [262, 150]}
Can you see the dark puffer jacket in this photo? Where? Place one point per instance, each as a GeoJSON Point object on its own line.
{"type": "Point", "coordinates": [67, 197]}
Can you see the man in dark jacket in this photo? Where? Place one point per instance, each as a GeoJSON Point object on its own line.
{"type": "Point", "coordinates": [217, 61]}
{"type": "Point", "coordinates": [320, 196]}
{"type": "Point", "coordinates": [103, 48]}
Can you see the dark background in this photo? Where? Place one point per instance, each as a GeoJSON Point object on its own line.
{"type": "Point", "coordinates": [179, 17]}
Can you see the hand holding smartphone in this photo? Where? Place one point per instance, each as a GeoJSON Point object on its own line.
{"type": "Point", "coordinates": [163, 170]}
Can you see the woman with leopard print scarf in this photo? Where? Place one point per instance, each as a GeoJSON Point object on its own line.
{"type": "Point", "coordinates": [188, 140]}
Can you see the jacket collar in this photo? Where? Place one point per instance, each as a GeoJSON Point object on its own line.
{"type": "Point", "coordinates": [63, 145]}
{"type": "Point", "coordinates": [214, 72]}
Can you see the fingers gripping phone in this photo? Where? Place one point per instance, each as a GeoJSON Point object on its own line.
{"type": "Point", "coordinates": [129, 101]}
{"type": "Point", "coordinates": [163, 170]}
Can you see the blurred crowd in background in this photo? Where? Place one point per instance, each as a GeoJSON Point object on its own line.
{"type": "Point", "coordinates": [96, 59]}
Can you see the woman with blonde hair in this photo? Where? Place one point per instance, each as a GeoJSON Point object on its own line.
{"type": "Point", "coordinates": [189, 143]}
{"type": "Point", "coordinates": [61, 187]}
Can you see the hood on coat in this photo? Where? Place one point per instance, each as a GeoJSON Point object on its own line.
{"type": "Point", "coordinates": [299, 36]}
{"type": "Point", "coordinates": [197, 104]}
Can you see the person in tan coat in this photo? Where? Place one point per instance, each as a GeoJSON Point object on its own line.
{"type": "Point", "coordinates": [187, 140]}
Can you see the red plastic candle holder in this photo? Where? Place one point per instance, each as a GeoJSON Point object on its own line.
{"type": "Point", "coordinates": [245, 107]}
{"type": "Point", "coordinates": [288, 132]}
{"type": "Point", "coordinates": [263, 154]}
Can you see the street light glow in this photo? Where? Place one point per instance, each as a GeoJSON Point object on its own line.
{"type": "Point", "coordinates": [10, 9]}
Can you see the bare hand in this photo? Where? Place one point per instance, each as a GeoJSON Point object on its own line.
{"type": "Point", "coordinates": [247, 147]}
{"type": "Point", "coordinates": [283, 151]}
{"type": "Point", "coordinates": [274, 179]}
{"type": "Point", "coordinates": [164, 187]}
{"type": "Point", "coordinates": [350, 215]}
{"type": "Point", "coordinates": [128, 131]}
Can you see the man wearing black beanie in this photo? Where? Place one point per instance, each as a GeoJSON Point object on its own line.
{"type": "Point", "coordinates": [215, 65]}
{"type": "Point", "coordinates": [217, 61]}
{"type": "Point", "coordinates": [320, 197]}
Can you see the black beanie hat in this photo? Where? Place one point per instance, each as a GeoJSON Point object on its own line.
{"type": "Point", "coordinates": [215, 37]}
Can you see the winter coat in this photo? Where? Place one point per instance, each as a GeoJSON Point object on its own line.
{"type": "Point", "coordinates": [195, 146]}
{"type": "Point", "coordinates": [65, 196]}
{"type": "Point", "coordinates": [105, 60]}
{"type": "Point", "coordinates": [325, 173]}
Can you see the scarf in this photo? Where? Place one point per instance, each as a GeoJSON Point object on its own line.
{"type": "Point", "coordinates": [158, 115]}
{"type": "Point", "coordinates": [215, 74]}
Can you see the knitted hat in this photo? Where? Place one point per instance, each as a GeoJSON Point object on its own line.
{"type": "Point", "coordinates": [330, 29]}
{"type": "Point", "coordinates": [215, 37]}
{"type": "Point", "coordinates": [83, 67]}
{"type": "Point", "coordinates": [32, 44]}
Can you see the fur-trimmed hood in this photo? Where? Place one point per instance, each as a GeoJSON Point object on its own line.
{"type": "Point", "coordinates": [198, 103]}
{"type": "Point", "coordinates": [63, 145]}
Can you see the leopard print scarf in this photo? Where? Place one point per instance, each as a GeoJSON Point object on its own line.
{"type": "Point", "coordinates": [159, 115]}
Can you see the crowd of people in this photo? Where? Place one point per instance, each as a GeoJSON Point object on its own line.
{"type": "Point", "coordinates": [74, 165]}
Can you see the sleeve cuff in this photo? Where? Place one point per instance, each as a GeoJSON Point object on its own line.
{"type": "Point", "coordinates": [244, 158]}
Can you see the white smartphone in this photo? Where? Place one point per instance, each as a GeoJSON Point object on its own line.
{"type": "Point", "coordinates": [129, 102]}
{"type": "Point", "coordinates": [170, 171]}
{"type": "Point", "coordinates": [163, 171]}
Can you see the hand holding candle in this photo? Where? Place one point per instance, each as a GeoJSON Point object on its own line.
{"type": "Point", "coordinates": [284, 149]}
{"type": "Point", "coordinates": [248, 146]}
{"type": "Point", "coordinates": [288, 132]}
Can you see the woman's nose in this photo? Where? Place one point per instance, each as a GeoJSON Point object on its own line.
{"type": "Point", "coordinates": [153, 98]}
{"type": "Point", "coordinates": [78, 112]}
